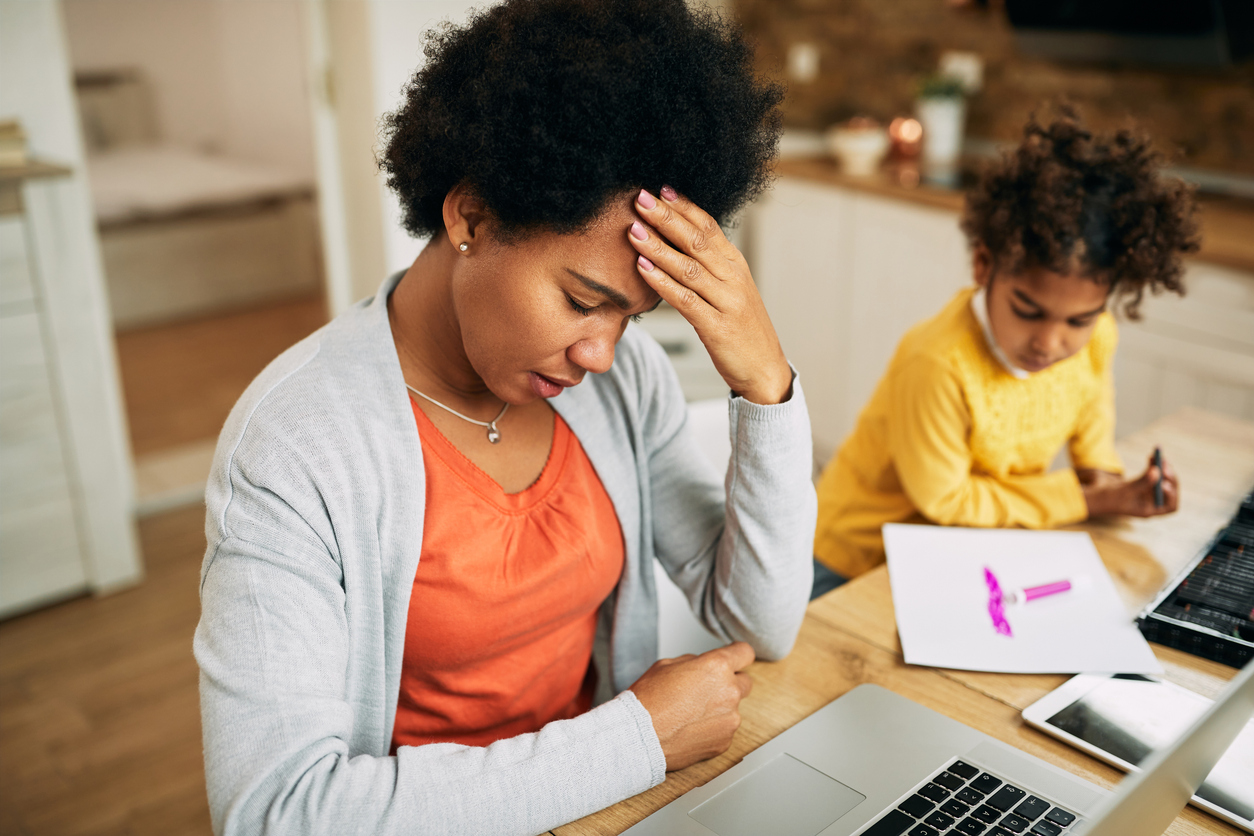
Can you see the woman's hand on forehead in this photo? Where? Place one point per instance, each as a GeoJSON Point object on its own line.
{"type": "Point", "coordinates": [684, 256]}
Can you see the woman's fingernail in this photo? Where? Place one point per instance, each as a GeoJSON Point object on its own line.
{"type": "Point", "coordinates": [669, 194]}
{"type": "Point", "coordinates": [646, 200]}
{"type": "Point", "coordinates": [637, 231]}
{"type": "Point", "coordinates": [644, 263]}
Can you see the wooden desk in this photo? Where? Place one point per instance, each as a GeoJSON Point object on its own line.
{"type": "Point", "coordinates": [850, 637]}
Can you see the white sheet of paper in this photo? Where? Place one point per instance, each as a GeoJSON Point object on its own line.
{"type": "Point", "coordinates": [941, 599]}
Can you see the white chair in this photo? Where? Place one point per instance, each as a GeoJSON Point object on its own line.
{"type": "Point", "coordinates": [679, 631]}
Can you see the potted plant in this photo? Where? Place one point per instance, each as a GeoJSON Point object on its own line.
{"type": "Point", "coordinates": [941, 108]}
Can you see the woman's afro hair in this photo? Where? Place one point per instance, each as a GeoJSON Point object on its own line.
{"type": "Point", "coordinates": [549, 109]}
{"type": "Point", "coordinates": [1074, 203]}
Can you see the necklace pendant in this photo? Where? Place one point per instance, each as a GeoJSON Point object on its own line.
{"type": "Point", "coordinates": [494, 435]}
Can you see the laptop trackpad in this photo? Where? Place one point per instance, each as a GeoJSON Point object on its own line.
{"type": "Point", "coordinates": [783, 797]}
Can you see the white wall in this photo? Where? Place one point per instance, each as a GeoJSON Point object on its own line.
{"type": "Point", "coordinates": [263, 71]}
{"type": "Point", "coordinates": [397, 27]}
{"type": "Point", "coordinates": [367, 50]}
{"type": "Point", "coordinates": [227, 75]}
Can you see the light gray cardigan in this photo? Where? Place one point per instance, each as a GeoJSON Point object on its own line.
{"type": "Point", "coordinates": [314, 523]}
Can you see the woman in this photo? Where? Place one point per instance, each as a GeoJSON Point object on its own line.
{"type": "Point", "coordinates": [431, 530]}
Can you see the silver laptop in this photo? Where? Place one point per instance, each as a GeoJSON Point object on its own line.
{"type": "Point", "coordinates": [875, 763]}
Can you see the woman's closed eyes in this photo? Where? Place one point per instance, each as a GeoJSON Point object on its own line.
{"type": "Point", "coordinates": [584, 310]}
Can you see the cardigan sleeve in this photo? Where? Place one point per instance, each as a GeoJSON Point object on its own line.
{"type": "Point", "coordinates": [741, 551]}
{"type": "Point", "coordinates": [928, 428]}
{"type": "Point", "coordinates": [276, 657]}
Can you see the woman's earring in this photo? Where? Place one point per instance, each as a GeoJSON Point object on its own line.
{"type": "Point", "coordinates": [463, 246]}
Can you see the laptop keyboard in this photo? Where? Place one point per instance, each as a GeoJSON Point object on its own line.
{"type": "Point", "coordinates": [964, 799]}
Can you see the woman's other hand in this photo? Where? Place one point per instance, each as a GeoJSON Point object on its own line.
{"type": "Point", "coordinates": [694, 701]}
{"type": "Point", "coordinates": [701, 274]}
{"type": "Point", "coordinates": [1107, 493]}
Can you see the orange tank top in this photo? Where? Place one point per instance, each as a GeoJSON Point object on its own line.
{"type": "Point", "coordinates": [504, 607]}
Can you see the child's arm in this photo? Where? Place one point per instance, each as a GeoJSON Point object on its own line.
{"type": "Point", "coordinates": [928, 436]}
{"type": "Point", "coordinates": [1092, 446]}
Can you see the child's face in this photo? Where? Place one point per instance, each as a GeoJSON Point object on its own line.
{"type": "Point", "coordinates": [1039, 317]}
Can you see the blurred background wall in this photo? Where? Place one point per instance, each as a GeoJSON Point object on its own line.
{"type": "Point", "coordinates": [227, 77]}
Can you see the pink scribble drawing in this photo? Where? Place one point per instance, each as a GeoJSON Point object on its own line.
{"type": "Point", "coordinates": [996, 610]}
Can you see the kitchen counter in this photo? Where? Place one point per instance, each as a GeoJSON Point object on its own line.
{"type": "Point", "coordinates": [1227, 222]}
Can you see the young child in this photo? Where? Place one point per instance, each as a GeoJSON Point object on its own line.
{"type": "Point", "coordinates": [978, 400]}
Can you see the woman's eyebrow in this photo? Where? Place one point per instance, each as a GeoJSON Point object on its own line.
{"type": "Point", "coordinates": [620, 301]}
{"type": "Point", "coordinates": [610, 293]}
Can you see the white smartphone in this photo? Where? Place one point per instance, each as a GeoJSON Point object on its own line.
{"type": "Point", "coordinates": [1121, 718]}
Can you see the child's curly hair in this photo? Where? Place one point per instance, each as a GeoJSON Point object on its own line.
{"type": "Point", "coordinates": [1072, 203]}
{"type": "Point", "coordinates": [548, 109]}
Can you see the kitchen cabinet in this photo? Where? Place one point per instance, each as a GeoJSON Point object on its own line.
{"type": "Point", "coordinates": [844, 275]}
{"type": "Point", "coordinates": [1192, 351]}
{"type": "Point", "coordinates": [846, 272]}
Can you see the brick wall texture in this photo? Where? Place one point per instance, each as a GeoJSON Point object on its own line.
{"type": "Point", "coordinates": [873, 54]}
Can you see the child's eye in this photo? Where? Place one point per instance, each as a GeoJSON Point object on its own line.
{"type": "Point", "coordinates": [637, 317]}
{"type": "Point", "coordinates": [1028, 315]}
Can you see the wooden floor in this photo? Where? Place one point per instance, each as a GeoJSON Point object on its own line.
{"type": "Point", "coordinates": [180, 381]}
{"type": "Point", "coordinates": [99, 709]}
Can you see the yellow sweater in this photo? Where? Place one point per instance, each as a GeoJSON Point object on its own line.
{"type": "Point", "coordinates": [951, 437]}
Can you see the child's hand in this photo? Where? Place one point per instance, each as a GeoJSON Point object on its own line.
{"type": "Point", "coordinates": [1106, 493]}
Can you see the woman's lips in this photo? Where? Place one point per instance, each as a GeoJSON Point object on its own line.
{"type": "Point", "coordinates": [547, 387]}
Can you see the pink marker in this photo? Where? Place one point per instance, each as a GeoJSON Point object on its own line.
{"type": "Point", "coordinates": [1031, 593]}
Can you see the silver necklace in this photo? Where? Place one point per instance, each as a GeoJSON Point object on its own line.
{"type": "Point", "coordinates": [494, 435]}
